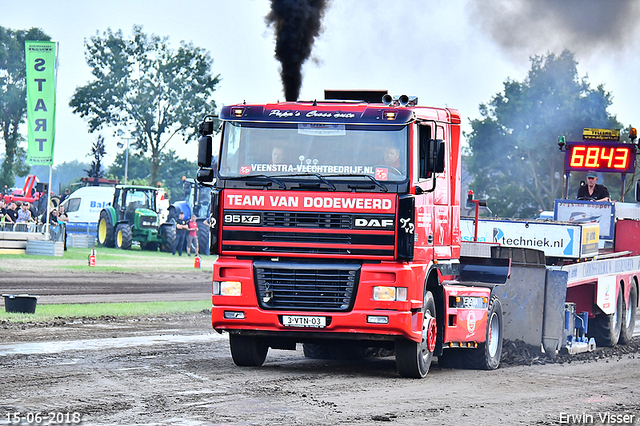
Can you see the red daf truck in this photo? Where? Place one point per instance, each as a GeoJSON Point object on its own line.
{"type": "Point", "coordinates": [337, 225]}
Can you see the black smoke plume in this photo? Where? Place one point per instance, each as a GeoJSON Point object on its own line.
{"type": "Point", "coordinates": [296, 23]}
{"type": "Point", "coordinates": [582, 26]}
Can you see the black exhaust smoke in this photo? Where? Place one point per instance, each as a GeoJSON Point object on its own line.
{"type": "Point", "coordinates": [296, 23]}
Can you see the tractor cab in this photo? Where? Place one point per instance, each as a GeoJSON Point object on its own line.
{"type": "Point", "coordinates": [133, 216]}
{"type": "Point", "coordinates": [137, 206]}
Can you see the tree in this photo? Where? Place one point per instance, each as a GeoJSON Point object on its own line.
{"type": "Point", "coordinates": [13, 99]}
{"type": "Point", "coordinates": [138, 169]}
{"type": "Point", "coordinates": [172, 169]}
{"type": "Point", "coordinates": [513, 149]}
{"type": "Point", "coordinates": [97, 151]}
{"type": "Point", "coordinates": [142, 84]}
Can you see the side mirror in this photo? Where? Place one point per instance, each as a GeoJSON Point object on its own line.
{"type": "Point", "coordinates": [204, 151]}
{"type": "Point", "coordinates": [432, 152]}
{"type": "Point", "coordinates": [205, 175]}
{"type": "Point", "coordinates": [638, 190]}
{"type": "Point", "coordinates": [206, 127]}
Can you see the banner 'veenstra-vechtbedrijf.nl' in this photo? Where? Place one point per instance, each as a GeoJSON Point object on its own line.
{"type": "Point", "coordinates": [41, 100]}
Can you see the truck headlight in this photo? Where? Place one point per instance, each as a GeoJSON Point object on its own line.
{"type": "Point", "coordinates": [386, 293]}
{"type": "Point", "coordinates": [227, 288]}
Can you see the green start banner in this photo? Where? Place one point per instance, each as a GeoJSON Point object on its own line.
{"type": "Point", "coordinates": [41, 100]}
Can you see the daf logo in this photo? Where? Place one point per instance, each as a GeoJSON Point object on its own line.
{"type": "Point", "coordinates": [361, 222]}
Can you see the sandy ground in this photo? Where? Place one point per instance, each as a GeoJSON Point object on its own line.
{"type": "Point", "coordinates": [175, 370]}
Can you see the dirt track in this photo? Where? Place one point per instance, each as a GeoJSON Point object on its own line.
{"type": "Point", "coordinates": [173, 370]}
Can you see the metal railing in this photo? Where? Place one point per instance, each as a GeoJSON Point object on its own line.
{"type": "Point", "coordinates": [56, 233]}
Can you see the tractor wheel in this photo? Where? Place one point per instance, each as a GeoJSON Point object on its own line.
{"type": "Point", "coordinates": [413, 359]}
{"type": "Point", "coordinates": [105, 230]}
{"type": "Point", "coordinates": [173, 214]}
{"type": "Point", "coordinates": [629, 320]}
{"type": "Point", "coordinates": [168, 233]}
{"type": "Point", "coordinates": [204, 237]}
{"type": "Point", "coordinates": [248, 351]}
{"type": "Point", "coordinates": [606, 328]}
{"type": "Point", "coordinates": [54, 202]}
{"type": "Point", "coordinates": [124, 236]}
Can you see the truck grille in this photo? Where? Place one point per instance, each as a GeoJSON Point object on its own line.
{"type": "Point", "coordinates": [308, 233]}
{"type": "Point", "coordinates": [306, 287]}
{"type": "Point", "coordinates": [307, 220]}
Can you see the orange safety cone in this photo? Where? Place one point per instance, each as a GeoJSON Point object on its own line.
{"type": "Point", "coordinates": [197, 262]}
{"type": "Point", "coordinates": [92, 257]}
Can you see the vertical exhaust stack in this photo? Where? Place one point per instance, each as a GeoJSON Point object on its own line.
{"type": "Point", "coordinates": [297, 23]}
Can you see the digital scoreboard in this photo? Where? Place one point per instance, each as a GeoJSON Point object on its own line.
{"type": "Point", "coordinates": [600, 156]}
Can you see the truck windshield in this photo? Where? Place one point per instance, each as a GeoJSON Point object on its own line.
{"type": "Point", "coordinates": [326, 149]}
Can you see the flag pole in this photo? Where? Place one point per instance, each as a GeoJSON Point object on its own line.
{"type": "Point", "coordinates": [55, 90]}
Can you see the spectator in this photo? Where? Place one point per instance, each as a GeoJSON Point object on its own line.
{"type": "Point", "coordinates": [3, 212]}
{"type": "Point", "coordinates": [193, 235]}
{"type": "Point", "coordinates": [65, 195]}
{"type": "Point", "coordinates": [24, 215]}
{"type": "Point", "coordinates": [181, 233]}
{"type": "Point", "coordinates": [54, 228]}
{"type": "Point", "coordinates": [12, 212]}
{"type": "Point", "coordinates": [62, 220]}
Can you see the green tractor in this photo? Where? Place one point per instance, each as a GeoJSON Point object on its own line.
{"type": "Point", "coordinates": [132, 216]}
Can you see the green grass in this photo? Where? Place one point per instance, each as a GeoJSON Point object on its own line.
{"type": "Point", "coordinates": [94, 310]}
{"type": "Point", "coordinates": [107, 260]}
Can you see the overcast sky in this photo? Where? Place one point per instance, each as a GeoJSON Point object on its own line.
{"type": "Point", "coordinates": [456, 53]}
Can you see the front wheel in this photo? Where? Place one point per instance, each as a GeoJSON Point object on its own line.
{"type": "Point", "coordinates": [413, 359]}
{"type": "Point", "coordinates": [606, 328]}
{"type": "Point", "coordinates": [105, 230]}
{"type": "Point", "coordinates": [629, 320]}
{"type": "Point", "coordinates": [124, 236]}
{"type": "Point", "coordinates": [168, 233]}
{"type": "Point", "coordinates": [248, 351]}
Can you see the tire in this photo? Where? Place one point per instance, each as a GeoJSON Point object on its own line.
{"type": "Point", "coordinates": [204, 240]}
{"type": "Point", "coordinates": [629, 317]}
{"type": "Point", "coordinates": [173, 214]}
{"type": "Point", "coordinates": [606, 328]}
{"type": "Point", "coordinates": [488, 354]}
{"type": "Point", "coordinates": [248, 351]}
{"type": "Point", "coordinates": [124, 236]}
{"type": "Point", "coordinates": [54, 202]}
{"type": "Point", "coordinates": [168, 233]}
{"type": "Point", "coordinates": [105, 230]}
{"type": "Point", "coordinates": [413, 359]}
{"type": "Point", "coordinates": [345, 352]}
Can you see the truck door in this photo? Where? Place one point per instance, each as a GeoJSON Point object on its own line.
{"type": "Point", "coordinates": [442, 205]}
{"type": "Point", "coordinates": [433, 205]}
